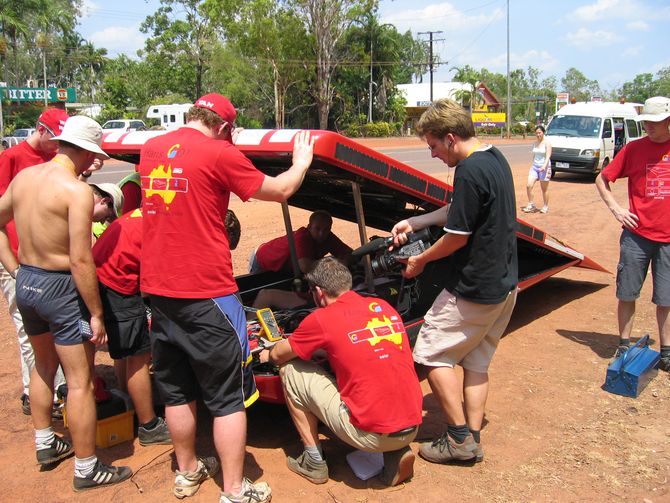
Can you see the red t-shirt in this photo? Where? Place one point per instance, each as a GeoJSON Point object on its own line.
{"type": "Point", "coordinates": [13, 160]}
{"type": "Point", "coordinates": [647, 166]}
{"type": "Point", "coordinates": [117, 254]}
{"type": "Point", "coordinates": [369, 352]}
{"type": "Point", "coordinates": [275, 256]}
{"type": "Point", "coordinates": [187, 179]}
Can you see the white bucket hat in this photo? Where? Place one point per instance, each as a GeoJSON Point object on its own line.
{"type": "Point", "coordinates": [114, 192]}
{"type": "Point", "coordinates": [83, 132]}
{"type": "Point", "coordinates": [655, 109]}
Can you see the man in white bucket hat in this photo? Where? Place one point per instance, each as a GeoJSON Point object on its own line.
{"type": "Point", "coordinates": [57, 294]}
{"type": "Point", "coordinates": [646, 227]}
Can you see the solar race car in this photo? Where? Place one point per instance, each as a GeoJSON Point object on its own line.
{"type": "Point", "coordinates": [359, 185]}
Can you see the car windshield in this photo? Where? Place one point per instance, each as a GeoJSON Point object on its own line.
{"type": "Point", "coordinates": [21, 133]}
{"type": "Point", "coordinates": [574, 125]}
{"type": "Point", "coordinates": [114, 125]}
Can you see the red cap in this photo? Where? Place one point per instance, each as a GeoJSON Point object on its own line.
{"type": "Point", "coordinates": [54, 119]}
{"type": "Point", "coordinates": [218, 104]}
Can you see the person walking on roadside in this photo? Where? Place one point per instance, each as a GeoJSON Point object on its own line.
{"type": "Point", "coordinates": [57, 295]}
{"type": "Point", "coordinates": [199, 337]}
{"type": "Point", "coordinates": [540, 171]}
{"type": "Point", "coordinates": [37, 149]}
{"type": "Point", "coordinates": [645, 238]}
{"type": "Point", "coordinates": [468, 317]}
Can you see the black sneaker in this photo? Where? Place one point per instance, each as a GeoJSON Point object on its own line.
{"type": "Point", "coordinates": [158, 435]}
{"type": "Point", "coordinates": [60, 449]}
{"type": "Point", "coordinates": [25, 404]}
{"type": "Point", "coordinates": [664, 363]}
{"type": "Point", "coordinates": [57, 411]}
{"type": "Point", "coordinates": [102, 475]}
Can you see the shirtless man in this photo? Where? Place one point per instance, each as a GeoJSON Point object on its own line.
{"type": "Point", "coordinates": [57, 294]}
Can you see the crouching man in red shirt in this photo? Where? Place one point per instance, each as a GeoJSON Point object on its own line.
{"type": "Point", "coordinates": [374, 400]}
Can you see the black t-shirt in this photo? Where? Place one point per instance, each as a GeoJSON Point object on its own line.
{"type": "Point", "coordinates": [485, 270]}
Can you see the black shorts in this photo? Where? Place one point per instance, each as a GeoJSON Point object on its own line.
{"type": "Point", "coordinates": [125, 322]}
{"type": "Point", "coordinates": [200, 350]}
{"type": "Point", "coordinates": [49, 302]}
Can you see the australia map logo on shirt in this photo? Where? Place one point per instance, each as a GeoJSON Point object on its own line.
{"type": "Point", "coordinates": [658, 180]}
{"type": "Point", "coordinates": [378, 329]}
{"type": "Point", "coordinates": [161, 181]}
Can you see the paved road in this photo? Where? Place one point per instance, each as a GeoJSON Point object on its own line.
{"type": "Point", "coordinates": [419, 158]}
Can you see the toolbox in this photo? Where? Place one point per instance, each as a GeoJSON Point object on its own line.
{"type": "Point", "coordinates": [115, 420]}
{"type": "Point", "coordinates": [628, 374]}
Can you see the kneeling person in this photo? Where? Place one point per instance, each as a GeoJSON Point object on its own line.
{"type": "Point", "coordinates": [117, 259]}
{"type": "Point", "coordinates": [374, 400]}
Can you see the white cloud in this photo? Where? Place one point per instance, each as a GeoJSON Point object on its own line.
{"type": "Point", "coordinates": [542, 60]}
{"type": "Point", "coordinates": [440, 16]}
{"type": "Point", "coordinates": [119, 39]}
{"type": "Point", "coordinates": [89, 8]}
{"type": "Point", "coordinates": [586, 39]}
{"type": "Point", "coordinates": [603, 9]}
{"type": "Point", "coordinates": [632, 51]}
{"type": "Point", "coordinates": [638, 25]}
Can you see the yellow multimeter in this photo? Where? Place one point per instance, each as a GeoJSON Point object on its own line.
{"type": "Point", "coordinates": [267, 320]}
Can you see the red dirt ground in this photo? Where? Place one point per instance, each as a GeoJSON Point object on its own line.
{"type": "Point", "coordinates": [551, 433]}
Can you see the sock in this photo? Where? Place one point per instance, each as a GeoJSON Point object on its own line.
{"type": "Point", "coordinates": [44, 438]}
{"type": "Point", "coordinates": [150, 425]}
{"type": "Point", "coordinates": [459, 432]}
{"type": "Point", "coordinates": [476, 434]}
{"type": "Point", "coordinates": [665, 351]}
{"type": "Point", "coordinates": [83, 467]}
{"type": "Point", "coordinates": [315, 452]}
{"type": "Point", "coordinates": [624, 342]}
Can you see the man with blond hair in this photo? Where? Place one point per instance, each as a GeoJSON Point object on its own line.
{"type": "Point", "coordinates": [468, 317]}
{"type": "Point", "coordinates": [57, 294]}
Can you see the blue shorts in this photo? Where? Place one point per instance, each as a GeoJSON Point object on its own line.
{"type": "Point", "coordinates": [49, 302]}
{"type": "Point", "coordinates": [536, 174]}
{"type": "Point", "coordinates": [636, 253]}
{"type": "Point", "coordinates": [200, 349]}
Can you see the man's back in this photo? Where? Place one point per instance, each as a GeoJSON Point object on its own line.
{"type": "Point", "coordinates": [43, 197]}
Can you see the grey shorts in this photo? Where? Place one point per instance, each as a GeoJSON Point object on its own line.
{"type": "Point", "coordinates": [636, 253]}
{"type": "Point", "coordinates": [49, 302]}
{"type": "Point", "coordinates": [459, 332]}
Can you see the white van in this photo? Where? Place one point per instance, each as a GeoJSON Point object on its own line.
{"type": "Point", "coordinates": [585, 137]}
{"type": "Point", "coordinates": [170, 116]}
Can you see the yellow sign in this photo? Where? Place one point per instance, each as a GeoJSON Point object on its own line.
{"type": "Point", "coordinates": [489, 118]}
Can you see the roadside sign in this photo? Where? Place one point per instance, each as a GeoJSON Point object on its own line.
{"type": "Point", "coordinates": [52, 94]}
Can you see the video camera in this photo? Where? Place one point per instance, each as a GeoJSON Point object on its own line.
{"type": "Point", "coordinates": [389, 261]}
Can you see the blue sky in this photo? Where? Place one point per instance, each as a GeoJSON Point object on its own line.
{"type": "Point", "coordinates": [610, 41]}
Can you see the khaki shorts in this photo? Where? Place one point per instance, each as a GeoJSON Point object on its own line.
{"type": "Point", "coordinates": [310, 388]}
{"type": "Point", "coordinates": [460, 332]}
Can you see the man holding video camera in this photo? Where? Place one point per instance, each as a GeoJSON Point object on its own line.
{"type": "Point", "coordinates": [470, 314]}
{"type": "Point", "coordinates": [374, 400]}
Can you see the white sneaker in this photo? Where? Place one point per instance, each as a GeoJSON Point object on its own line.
{"type": "Point", "coordinates": [529, 208]}
{"type": "Point", "coordinates": [545, 209]}
{"type": "Point", "coordinates": [259, 492]}
{"type": "Point", "coordinates": [187, 483]}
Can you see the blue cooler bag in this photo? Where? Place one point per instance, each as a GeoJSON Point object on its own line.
{"type": "Point", "coordinates": [628, 374]}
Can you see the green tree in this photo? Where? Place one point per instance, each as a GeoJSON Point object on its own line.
{"type": "Point", "coordinates": [579, 86]}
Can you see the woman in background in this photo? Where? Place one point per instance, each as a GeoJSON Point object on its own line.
{"type": "Point", "coordinates": [540, 170]}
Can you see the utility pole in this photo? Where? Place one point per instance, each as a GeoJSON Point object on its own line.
{"type": "Point", "coordinates": [509, 83]}
{"type": "Point", "coordinates": [430, 62]}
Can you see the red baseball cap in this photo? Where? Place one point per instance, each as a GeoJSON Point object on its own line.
{"type": "Point", "coordinates": [218, 104]}
{"type": "Point", "coordinates": [54, 120]}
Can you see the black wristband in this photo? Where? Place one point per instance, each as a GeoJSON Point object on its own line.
{"type": "Point", "coordinates": [86, 174]}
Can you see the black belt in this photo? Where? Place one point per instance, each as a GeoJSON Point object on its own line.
{"type": "Point", "coordinates": [402, 433]}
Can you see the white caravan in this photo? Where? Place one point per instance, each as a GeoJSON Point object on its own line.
{"type": "Point", "coordinates": [585, 137]}
{"type": "Point", "coordinates": [170, 116]}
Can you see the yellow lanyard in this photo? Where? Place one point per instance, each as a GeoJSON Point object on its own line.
{"type": "Point", "coordinates": [65, 162]}
{"type": "Point", "coordinates": [475, 147]}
